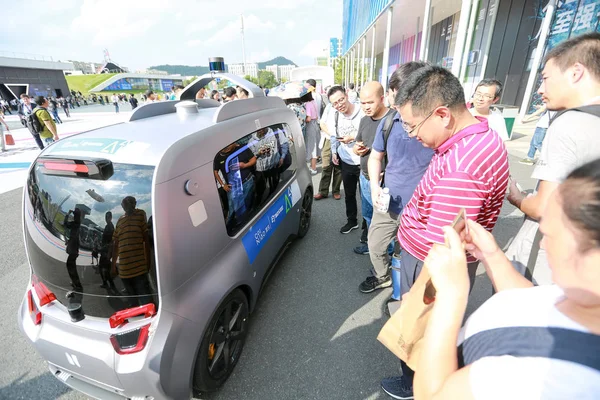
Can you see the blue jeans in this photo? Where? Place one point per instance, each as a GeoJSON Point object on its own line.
{"type": "Point", "coordinates": [48, 140]}
{"type": "Point", "coordinates": [536, 141]}
{"type": "Point", "coordinates": [367, 202]}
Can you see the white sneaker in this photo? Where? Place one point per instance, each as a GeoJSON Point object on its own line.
{"type": "Point", "coordinates": [313, 171]}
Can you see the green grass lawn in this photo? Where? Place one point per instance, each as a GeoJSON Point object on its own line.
{"type": "Point", "coordinates": [83, 83]}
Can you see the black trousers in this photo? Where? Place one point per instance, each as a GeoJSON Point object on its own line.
{"type": "Point", "coordinates": [72, 270]}
{"type": "Point", "coordinates": [138, 288]}
{"type": "Point", "coordinates": [350, 177]}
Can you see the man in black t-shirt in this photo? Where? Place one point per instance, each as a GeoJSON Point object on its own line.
{"type": "Point", "coordinates": [372, 103]}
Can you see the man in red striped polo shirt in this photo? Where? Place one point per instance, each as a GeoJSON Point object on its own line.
{"type": "Point", "coordinates": [469, 170]}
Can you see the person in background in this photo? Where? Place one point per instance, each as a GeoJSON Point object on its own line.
{"type": "Point", "coordinates": [215, 95]}
{"type": "Point", "coordinates": [469, 170]}
{"type": "Point", "coordinates": [26, 108]}
{"type": "Point", "coordinates": [54, 110]}
{"type": "Point", "coordinates": [525, 342]}
{"type": "Point", "coordinates": [229, 94]}
{"type": "Point", "coordinates": [150, 96]}
{"type": "Point", "coordinates": [201, 94]}
{"type": "Point", "coordinates": [312, 133]}
{"type": "Point", "coordinates": [540, 132]}
{"type": "Point", "coordinates": [133, 101]}
{"type": "Point", "coordinates": [179, 89]}
{"type": "Point", "coordinates": [115, 101]}
{"type": "Point", "coordinates": [373, 106]}
{"type": "Point", "coordinates": [2, 141]}
{"type": "Point", "coordinates": [49, 133]}
{"type": "Point", "coordinates": [241, 93]}
{"type": "Point", "coordinates": [487, 93]}
{"type": "Point", "coordinates": [72, 246]}
{"type": "Point", "coordinates": [343, 125]}
{"type": "Point", "coordinates": [570, 79]}
{"type": "Point", "coordinates": [352, 94]}
{"type": "Point", "coordinates": [330, 173]}
{"type": "Point", "coordinates": [65, 106]}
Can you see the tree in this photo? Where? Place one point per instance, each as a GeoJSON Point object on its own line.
{"type": "Point", "coordinates": [188, 81]}
{"type": "Point", "coordinates": [284, 79]}
{"type": "Point", "coordinates": [251, 79]}
{"type": "Point", "coordinates": [339, 71]}
{"type": "Point", "coordinates": [266, 79]}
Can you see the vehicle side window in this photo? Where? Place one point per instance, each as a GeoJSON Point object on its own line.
{"type": "Point", "coordinates": [251, 170]}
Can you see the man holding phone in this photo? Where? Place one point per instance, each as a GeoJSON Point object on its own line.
{"type": "Point", "coordinates": [343, 125]}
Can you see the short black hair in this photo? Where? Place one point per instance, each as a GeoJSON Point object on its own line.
{"type": "Point", "coordinates": [149, 92]}
{"type": "Point", "coordinates": [312, 82]}
{"type": "Point", "coordinates": [431, 87]}
{"type": "Point", "coordinates": [241, 89]}
{"type": "Point", "coordinates": [351, 86]}
{"type": "Point", "coordinates": [182, 87]}
{"type": "Point", "coordinates": [334, 89]}
{"type": "Point", "coordinates": [489, 82]}
{"type": "Point", "coordinates": [24, 96]}
{"type": "Point", "coordinates": [39, 100]}
{"type": "Point", "coordinates": [229, 91]}
{"type": "Point", "coordinates": [583, 49]}
{"type": "Point", "coordinates": [403, 72]}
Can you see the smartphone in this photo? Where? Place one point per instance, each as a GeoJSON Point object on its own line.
{"type": "Point", "coordinates": [459, 224]}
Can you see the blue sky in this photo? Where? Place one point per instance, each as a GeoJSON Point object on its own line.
{"type": "Point", "coordinates": [139, 34]}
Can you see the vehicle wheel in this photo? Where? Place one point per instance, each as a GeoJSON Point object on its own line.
{"type": "Point", "coordinates": [222, 344]}
{"type": "Point", "coordinates": [305, 213]}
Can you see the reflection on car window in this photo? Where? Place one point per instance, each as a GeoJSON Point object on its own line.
{"type": "Point", "coordinates": [249, 171]}
{"type": "Point", "coordinates": [106, 229]}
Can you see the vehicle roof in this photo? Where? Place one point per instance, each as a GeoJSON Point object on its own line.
{"type": "Point", "coordinates": [141, 141]}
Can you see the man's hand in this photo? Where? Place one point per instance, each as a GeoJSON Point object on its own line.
{"type": "Point", "coordinates": [360, 149]}
{"type": "Point", "coordinates": [448, 266]}
{"type": "Point", "coordinates": [227, 187]}
{"type": "Point", "coordinates": [346, 139]}
{"type": "Point", "coordinates": [375, 193]}
{"type": "Point", "coordinates": [335, 160]}
{"type": "Point", "coordinates": [515, 196]}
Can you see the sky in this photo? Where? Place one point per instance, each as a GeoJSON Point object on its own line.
{"type": "Point", "coordinates": [140, 34]}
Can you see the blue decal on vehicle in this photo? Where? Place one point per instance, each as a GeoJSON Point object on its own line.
{"type": "Point", "coordinates": [263, 229]}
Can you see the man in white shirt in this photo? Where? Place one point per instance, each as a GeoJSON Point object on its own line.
{"type": "Point", "coordinates": [343, 126]}
{"type": "Point", "coordinates": [487, 93]}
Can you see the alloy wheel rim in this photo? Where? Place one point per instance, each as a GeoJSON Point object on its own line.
{"type": "Point", "coordinates": [227, 339]}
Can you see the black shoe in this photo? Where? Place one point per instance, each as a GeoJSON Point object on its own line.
{"type": "Point", "coordinates": [373, 283]}
{"type": "Point", "coordinates": [397, 388]}
{"type": "Point", "coordinates": [349, 227]}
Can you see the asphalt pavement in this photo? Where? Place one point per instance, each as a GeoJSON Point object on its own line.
{"type": "Point", "coordinates": [312, 335]}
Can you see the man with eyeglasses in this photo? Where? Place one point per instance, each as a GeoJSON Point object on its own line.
{"type": "Point", "coordinates": [487, 93]}
{"type": "Point", "coordinates": [343, 126]}
{"type": "Point", "coordinates": [469, 170]}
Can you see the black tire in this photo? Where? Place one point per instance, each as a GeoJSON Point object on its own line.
{"type": "Point", "coordinates": [220, 344]}
{"type": "Point", "coordinates": [305, 213]}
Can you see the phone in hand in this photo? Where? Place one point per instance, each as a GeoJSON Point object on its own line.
{"type": "Point", "coordinates": [459, 224]}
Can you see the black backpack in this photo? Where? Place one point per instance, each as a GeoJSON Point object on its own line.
{"type": "Point", "coordinates": [387, 128]}
{"type": "Point", "coordinates": [34, 122]}
{"type": "Point", "coordinates": [593, 109]}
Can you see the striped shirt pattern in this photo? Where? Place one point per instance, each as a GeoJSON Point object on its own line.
{"type": "Point", "coordinates": [470, 170]}
{"type": "Point", "coordinates": [130, 232]}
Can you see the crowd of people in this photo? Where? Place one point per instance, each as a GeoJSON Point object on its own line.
{"type": "Point", "coordinates": [436, 152]}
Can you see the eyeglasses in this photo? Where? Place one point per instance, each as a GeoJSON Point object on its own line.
{"type": "Point", "coordinates": [410, 130]}
{"type": "Point", "coordinates": [339, 102]}
{"type": "Point", "coordinates": [478, 95]}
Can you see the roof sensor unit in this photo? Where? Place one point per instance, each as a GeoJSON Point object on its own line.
{"type": "Point", "coordinates": [216, 64]}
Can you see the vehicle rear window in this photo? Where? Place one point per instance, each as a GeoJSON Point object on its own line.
{"type": "Point", "coordinates": [77, 226]}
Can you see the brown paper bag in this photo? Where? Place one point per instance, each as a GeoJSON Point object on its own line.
{"type": "Point", "coordinates": [404, 331]}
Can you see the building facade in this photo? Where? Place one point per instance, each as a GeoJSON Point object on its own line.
{"type": "Point", "coordinates": [274, 70]}
{"type": "Point", "coordinates": [476, 39]}
{"type": "Point", "coordinates": [285, 71]}
{"type": "Point", "coordinates": [239, 70]}
{"type": "Point", "coordinates": [129, 81]}
{"type": "Point", "coordinates": [33, 77]}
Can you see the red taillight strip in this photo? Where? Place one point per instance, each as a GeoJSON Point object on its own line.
{"type": "Point", "coordinates": [34, 312]}
{"type": "Point", "coordinates": [44, 294]}
{"type": "Point", "coordinates": [141, 342]}
{"type": "Point", "coordinates": [120, 317]}
{"type": "Point", "coordinates": [63, 166]}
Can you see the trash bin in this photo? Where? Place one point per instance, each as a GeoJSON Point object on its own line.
{"type": "Point", "coordinates": [509, 113]}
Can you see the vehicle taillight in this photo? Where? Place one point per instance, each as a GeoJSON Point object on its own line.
{"type": "Point", "coordinates": [45, 296]}
{"type": "Point", "coordinates": [34, 312]}
{"type": "Point", "coordinates": [130, 342]}
{"type": "Point", "coordinates": [121, 317]}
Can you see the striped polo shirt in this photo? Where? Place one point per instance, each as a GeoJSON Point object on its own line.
{"type": "Point", "coordinates": [470, 171]}
{"type": "Point", "coordinates": [130, 232]}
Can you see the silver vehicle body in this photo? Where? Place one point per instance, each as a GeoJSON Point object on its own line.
{"type": "Point", "coordinates": [197, 262]}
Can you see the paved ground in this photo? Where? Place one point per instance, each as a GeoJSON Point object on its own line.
{"type": "Point", "coordinates": [312, 335]}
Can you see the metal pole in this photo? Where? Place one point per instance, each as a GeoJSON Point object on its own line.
{"type": "Point", "coordinates": [461, 37]}
{"type": "Point", "coordinates": [351, 67]}
{"type": "Point", "coordinates": [364, 62]}
{"type": "Point", "coordinates": [243, 44]}
{"type": "Point", "coordinates": [414, 56]}
{"type": "Point", "coordinates": [357, 66]}
{"type": "Point", "coordinates": [537, 58]}
{"type": "Point", "coordinates": [488, 43]}
{"type": "Point", "coordinates": [386, 50]}
{"type": "Point", "coordinates": [470, 31]}
{"type": "Point", "coordinates": [372, 66]}
{"type": "Point", "coordinates": [347, 69]}
{"type": "Point", "coordinates": [426, 29]}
